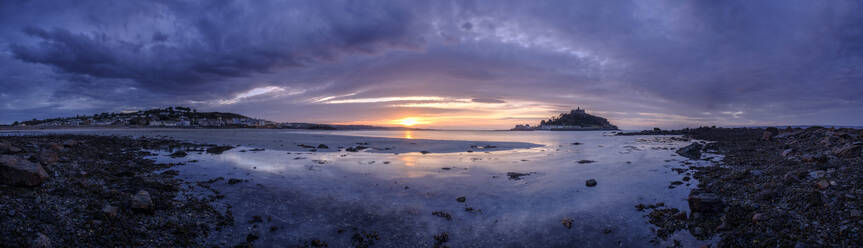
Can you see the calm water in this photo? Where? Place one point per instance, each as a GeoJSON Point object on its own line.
{"type": "Point", "coordinates": [332, 195]}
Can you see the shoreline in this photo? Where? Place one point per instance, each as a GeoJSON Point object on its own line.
{"type": "Point", "coordinates": [94, 173]}
{"type": "Point", "coordinates": [309, 142]}
{"type": "Point", "coordinates": [788, 188]}
{"type": "Point", "coordinates": [773, 188]}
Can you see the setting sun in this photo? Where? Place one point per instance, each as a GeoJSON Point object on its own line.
{"type": "Point", "coordinates": [410, 121]}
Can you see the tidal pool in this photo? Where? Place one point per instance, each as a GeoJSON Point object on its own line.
{"type": "Point", "coordinates": [287, 196]}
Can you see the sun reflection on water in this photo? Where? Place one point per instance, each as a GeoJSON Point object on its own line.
{"type": "Point", "coordinates": [409, 161]}
{"type": "Point", "coordinates": [409, 134]}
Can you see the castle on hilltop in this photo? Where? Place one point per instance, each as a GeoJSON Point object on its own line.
{"type": "Point", "coordinates": [578, 110]}
{"type": "Point", "coordinates": [576, 120]}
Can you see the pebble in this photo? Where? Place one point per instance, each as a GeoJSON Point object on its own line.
{"type": "Point", "coordinates": [141, 201]}
{"type": "Point", "coordinates": [759, 217]}
{"type": "Point", "coordinates": [110, 211]}
{"type": "Point", "coordinates": [817, 174]}
{"type": "Point", "coordinates": [822, 184]}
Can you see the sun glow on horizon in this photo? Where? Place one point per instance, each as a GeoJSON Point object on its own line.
{"type": "Point", "coordinates": [408, 121]}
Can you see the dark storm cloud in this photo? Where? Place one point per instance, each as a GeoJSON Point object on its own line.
{"type": "Point", "coordinates": [218, 40]}
{"type": "Point", "coordinates": [655, 62]}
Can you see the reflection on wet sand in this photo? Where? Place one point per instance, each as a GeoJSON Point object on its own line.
{"type": "Point", "coordinates": [316, 194]}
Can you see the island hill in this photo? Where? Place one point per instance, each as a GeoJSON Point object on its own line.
{"type": "Point", "coordinates": [181, 117]}
{"type": "Point", "coordinates": [575, 120]}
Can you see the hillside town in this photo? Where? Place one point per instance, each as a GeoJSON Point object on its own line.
{"type": "Point", "coordinates": [166, 117]}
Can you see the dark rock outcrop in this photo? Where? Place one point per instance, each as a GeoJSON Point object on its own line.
{"type": "Point", "coordinates": [692, 151]}
{"type": "Point", "coordinates": [769, 133]}
{"type": "Point", "coordinates": [15, 170]}
{"type": "Point", "coordinates": [178, 154]}
{"type": "Point", "coordinates": [849, 150]}
{"type": "Point", "coordinates": [6, 148]}
{"type": "Point", "coordinates": [516, 175]}
{"type": "Point", "coordinates": [219, 149]}
{"type": "Point", "coordinates": [705, 203]}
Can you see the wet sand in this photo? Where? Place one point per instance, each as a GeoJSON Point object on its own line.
{"type": "Point", "coordinates": [348, 199]}
{"type": "Point", "coordinates": [507, 193]}
{"type": "Point", "coordinates": [287, 140]}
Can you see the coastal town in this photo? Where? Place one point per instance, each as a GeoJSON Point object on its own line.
{"type": "Point", "coordinates": [179, 117]}
{"type": "Point", "coordinates": [160, 117]}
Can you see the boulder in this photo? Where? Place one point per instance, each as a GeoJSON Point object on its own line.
{"type": "Point", "coordinates": [759, 217]}
{"type": "Point", "coordinates": [6, 148]}
{"type": "Point", "coordinates": [41, 241]}
{"type": "Point", "coordinates": [516, 175]}
{"type": "Point", "coordinates": [849, 151]}
{"type": "Point", "coordinates": [829, 140]}
{"type": "Point", "coordinates": [110, 211]}
{"type": "Point", "coordinates": [15, 170]}
{"type": "Point", "coordinates": [142, 202]}
{"type": "Point", "coordinates": [178, 154]}
{"type": "Point", "coordinates": [769, 133]}
{"type": "Point", "coordinates": [55, 147]}
{"type": "Point", "coordinates": [567, 222]}
{"type": "Point", "coordinates": [219, 149]}
{"type": "Point", "coordinates": [47, 157]}
{"type": "Point", "coordinates": [590, 182]}
{"type": "Point", "coordinates": [692, 151]}
{"type": "Point", "coordinates": [705, 203]}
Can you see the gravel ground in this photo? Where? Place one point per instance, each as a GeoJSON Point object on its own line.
{"type": "Point", "coordinates": [773, 188]}
{"type": "Point", "coordinates": [97, 191]}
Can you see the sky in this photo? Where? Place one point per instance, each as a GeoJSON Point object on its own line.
{"type": "Point", "coordinates": [439, 64]}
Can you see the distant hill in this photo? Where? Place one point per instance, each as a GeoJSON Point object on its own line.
{"type": "Point", "coordinates": [166, 117]}
{"type": "Point", "coordinates": [181, 117]}
{"type": "Point", "coordinates": [575, 120]}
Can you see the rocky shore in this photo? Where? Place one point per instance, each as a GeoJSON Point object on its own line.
{"type": "Point", "coordinates": [772, 188]}
{"type": "Point", "coordinates": [87, 191]}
